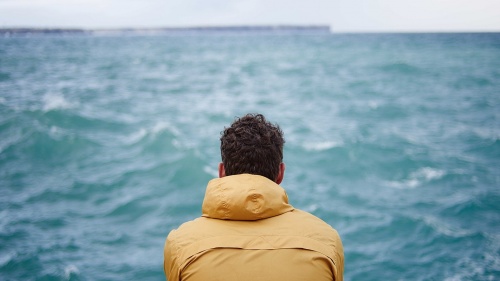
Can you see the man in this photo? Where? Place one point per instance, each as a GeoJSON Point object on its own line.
{"type": "Point", "coordinates": [248, 230]}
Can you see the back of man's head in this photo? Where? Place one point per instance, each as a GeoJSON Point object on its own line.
{"type": "Point", "coordinates": [252, 145]}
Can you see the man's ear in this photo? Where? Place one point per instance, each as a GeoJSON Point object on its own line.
{"type": "Point", "coordinates": [222, 170]}
{"type": "Point", "coordinates": [281, 173]}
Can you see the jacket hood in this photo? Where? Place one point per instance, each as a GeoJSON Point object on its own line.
{"type": "Point", "coordinates": [244, 197]}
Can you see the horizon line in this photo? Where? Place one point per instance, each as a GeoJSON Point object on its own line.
{"type": "Point", "coordinates": [232, 27]}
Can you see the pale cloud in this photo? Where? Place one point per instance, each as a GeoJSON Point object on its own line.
{"type": "Point", "coordinates": [422, 15]}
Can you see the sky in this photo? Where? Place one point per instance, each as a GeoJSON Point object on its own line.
{"type": "Point", "coordinates": [340, 15]}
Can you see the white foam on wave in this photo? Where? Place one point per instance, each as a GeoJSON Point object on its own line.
{"type": "Point", "coordinates": [486, 133]}
{"type": "Point", "coordinates": [10, 139]}
{"type": "Point", "coordinates": [446, 229]}
{"type": "Point", "coordinates": [471, 269]}
{"type": "Point", "coordinates": [56, 132]}
{"type": "Point", "coordinates": [311, 208]}
{"type": "Point", "coordinates": [428, 173]}
{"type": "Point", "coordinates": [4, 144]}
{"type": "Point", "coordinates": [321, 146]}
{"type": "Point", "coordinates": [70, 270]}
{"type": "Point", "coordinates": [162, 126]}
{"type": "Point", "coordinates": [211, 171]}
{"type": "Point", "coordinates": [5, 259]}
{"type": "Point", "coordinates": [417, 178]}
{"type": "Point", "coordinates": [136, 136]}
{"type": "Point", "coordinates": [55, 101]}
{"type": "Point", "coordinates": [152, 132]}
{"type": "Point", "coordinates": [374, 104]}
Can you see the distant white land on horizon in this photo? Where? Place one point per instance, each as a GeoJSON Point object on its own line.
{"type": "Point", "coordinates": [340, 15]}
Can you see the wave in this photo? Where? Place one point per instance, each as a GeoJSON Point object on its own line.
{"type": "Point", "coordinates": [151, 133]}
{"type": "Point", "coordinates": [53, 101]}
{"type": "Point", "coordinates": [446, 229]}
{"type": "Point", "coordinates": [131, 209]}
{"type": "Point", "coordinates": [417, 178]}
{"type": "Point", "coordinates": [211, 171]}
{"type": "Point", "coordinates": [321, 146]}
{"type": "Point", "coordinates": [13, 137]}
{"type": "Point", "coordinates": [71, 271]}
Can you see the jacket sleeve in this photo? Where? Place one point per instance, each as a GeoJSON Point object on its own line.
{"type": "Point", "coordinates": [170, 260]}
{"type": "Point", "coordinates": [339, 259]}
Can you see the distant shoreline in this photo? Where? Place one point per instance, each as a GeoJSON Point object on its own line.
{"type": "Point", "coordinates": [236, 29]}
{"type": "Point", "coordinates": [168, 30]}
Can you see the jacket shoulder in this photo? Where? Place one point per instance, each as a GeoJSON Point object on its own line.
{"type": "Point", "coordinates": [176, 240]}
{"type": "Point", "coordinates": [312, 224]}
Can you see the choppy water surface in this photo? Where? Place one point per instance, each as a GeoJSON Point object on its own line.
{"type": "Point", "coordinates": [106, 144]}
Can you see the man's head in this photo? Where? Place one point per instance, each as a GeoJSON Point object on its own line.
{"type": "Point", "coordinates": [252, 145]}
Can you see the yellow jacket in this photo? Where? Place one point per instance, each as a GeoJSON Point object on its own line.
{"type": "Point", "coordinates": [248, 231]}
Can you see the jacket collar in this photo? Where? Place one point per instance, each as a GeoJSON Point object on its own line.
{"type": "Point", "coordinates": [244, 197]}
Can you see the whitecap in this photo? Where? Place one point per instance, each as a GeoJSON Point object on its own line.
{"type": "Point", "coordinates": [56, 132]}
{"type": "Point", "coordinates": [417, 178]}
{"type": "Point", "coordinates": [151, 132]}
{"type": "Point", "coordinates": [486, 133]}
{"type": "Point", "coordinates": [321, 146]}
{"type": "Point", "coordinates": [135, 137]}
{"type": "Point", "coordinates": [11, 139]}
{"type": "Point", "coordinates": [6, 144]}
{"type": "Point", "coordinates": [446, 229]}
{"type": "Point", "coordinates": [428, 174]}
{"type": "Point", "coordinates": [55, 101]}
{"type": "Point", "coordinates": [162, 126]}
{"type": "Point", "coordinates": [70, 270]}
{"type": "Point", "coordinates": [373, 104]}
{"type": "Point", "coordinates": [470, 269]}
{"type": "Point", "coordinates": [311, 208]}
{"type": "Point", "coordinates": [177, 144]}
{"type": "Point", "coordinates": [211, 171]}
{"type": "Point", "coordinates": [411, 183]}
{"type": "Point", "coordinates": [5, 259]}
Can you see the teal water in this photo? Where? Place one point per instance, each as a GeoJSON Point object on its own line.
{"type": "Point", "coordinates": [106, 144]}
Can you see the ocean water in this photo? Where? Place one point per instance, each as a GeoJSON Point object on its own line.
{"type": "Point", "coordinates": [107, 143]}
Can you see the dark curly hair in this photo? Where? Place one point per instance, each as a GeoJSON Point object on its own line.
{"type": "Point", "coordinates": [252, 145]}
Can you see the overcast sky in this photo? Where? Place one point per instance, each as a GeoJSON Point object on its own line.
{"type": "Point", "coordinates": [340, 15]}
